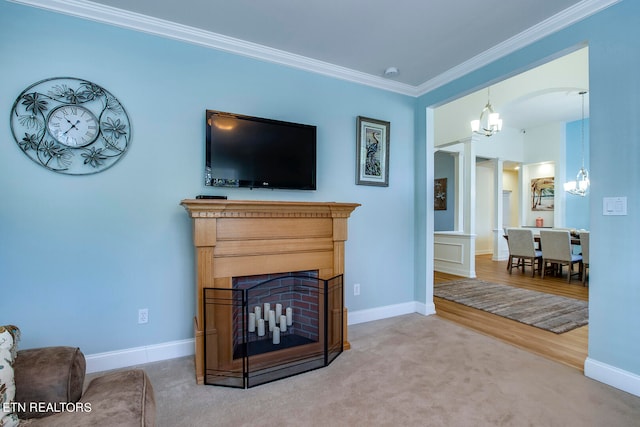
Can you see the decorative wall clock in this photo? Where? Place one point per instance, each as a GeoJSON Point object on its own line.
{"type": "Point", "coordinates": [70, 125]}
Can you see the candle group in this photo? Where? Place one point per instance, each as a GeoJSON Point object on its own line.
{"type": "Point", "coordinates": [274, 321]}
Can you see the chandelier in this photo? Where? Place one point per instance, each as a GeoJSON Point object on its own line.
{"type": "Point", "coordinates": [490, 122]}
{"type": "Point", "coordinates": [580, 186]}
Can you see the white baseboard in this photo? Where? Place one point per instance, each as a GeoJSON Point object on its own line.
{"type": "Point", "coordinates": [117, 359]}
{"type": "Point", "coordinates": [138, 355]}
{"type": "Point", "coordinates": [484, 251]}
{"type": "Point", "coordinates": [456, 270]}
{"type": "Point", "coordinates": [610, 375]}
{"type": "Point", "coordinates": [425, 309]}
{"type": "Point", "coordinates": [378, 313]}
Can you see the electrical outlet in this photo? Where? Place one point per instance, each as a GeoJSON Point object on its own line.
{"type": "Point", "coordinates": [356, 289]}
{"type": "Point", "coordinates": [143, 315]}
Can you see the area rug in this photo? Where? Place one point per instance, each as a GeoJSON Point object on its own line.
{"type": "Point", "coordinates": [545, 311]}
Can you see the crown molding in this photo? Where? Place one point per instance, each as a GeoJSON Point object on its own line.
{"type": "Point", "coordinates": [139, 22]}
{"type": "Point", "coordinates": [562, 20]}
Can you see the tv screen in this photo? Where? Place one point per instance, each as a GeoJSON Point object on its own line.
{"type": "Point", "coordinates": [254, 152]}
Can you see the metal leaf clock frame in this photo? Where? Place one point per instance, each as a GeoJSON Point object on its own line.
{"type": "Point", "coordinates": [70, 126]}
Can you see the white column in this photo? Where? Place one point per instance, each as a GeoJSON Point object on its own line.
{"type": "Point", "coordinates": [499, 243]}
{"type": "Point", "coordinates": [470, 203]}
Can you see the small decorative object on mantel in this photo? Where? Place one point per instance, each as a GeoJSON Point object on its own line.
{"type": "Point", "coordinates": [440, 194]}
{"type": "Point", "coordinates": [70, 126]}
{"type": "Point", "coordinates": [372, 154]}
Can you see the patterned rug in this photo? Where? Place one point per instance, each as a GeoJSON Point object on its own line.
{"type": "Point", "coordinates": [545, 311]}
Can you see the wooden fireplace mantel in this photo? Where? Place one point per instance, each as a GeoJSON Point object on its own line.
{"type": "Point", "coordinates": [243, 237]}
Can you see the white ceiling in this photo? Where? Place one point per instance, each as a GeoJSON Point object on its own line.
{"type": "Point", "coordinates": [422, 38]}
{"type": "Point", "coordinates": [429, 41]}
{"type": "Point", "coordinates": [541, 108]}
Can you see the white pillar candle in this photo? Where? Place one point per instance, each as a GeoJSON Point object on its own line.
{"type": "Point", "coordinates": [252, 322]}
{"type": "Point", "coordinates": [261, 327]}
{"type": "Point", "coordinates": [289, 312]}
{"type": "Point", "coordinates": [258, 312]}
{"type": "Point", "coordinates": [272, 320]}
{"type": "Point", "coordinates": [283, 323]}
{"type": "Point", "coordinates": [276, 336]}
{"type": "Point", "coordinates": [267, 307]}
{"type": "Point", "coordinates": [278, 312]}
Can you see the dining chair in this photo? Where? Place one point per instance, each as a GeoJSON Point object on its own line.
{"type": "Point", "coordinates": [556, 250]}
{"type": "Point", "coordinates": [522, 250]}
{"type": "Point", "coordinates": [584, 245]}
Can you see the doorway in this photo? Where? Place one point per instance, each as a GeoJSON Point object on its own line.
{"type": "Point", "coordinates": [537, 141]}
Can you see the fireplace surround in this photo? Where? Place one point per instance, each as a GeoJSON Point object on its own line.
{"type": "Point", "coordinates": [235, 238]}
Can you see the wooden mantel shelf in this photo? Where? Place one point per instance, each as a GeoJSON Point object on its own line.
{"type": "Point", "coordinates": [246, 237]}
{"type": "Point", "coordinates": [219, 208]}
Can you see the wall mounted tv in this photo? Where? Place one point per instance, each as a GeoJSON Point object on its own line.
{"type": "Point", "coordinates": [254, 152]}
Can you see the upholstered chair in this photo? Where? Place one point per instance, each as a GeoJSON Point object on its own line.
{"type": "Point", "coordinates": [522, 250]}
{"type": "Point", "coordinates": [584, 244]}
{"type": "Point", "coordinates": [44, 387]}
{"type": "Point", "coordinates": [556, 250]}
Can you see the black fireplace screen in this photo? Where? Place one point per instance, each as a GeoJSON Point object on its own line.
{"type": "Point", "coordinates": [281, 326]}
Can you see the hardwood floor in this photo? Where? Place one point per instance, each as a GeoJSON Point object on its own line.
{"type": "Point", "coordinates": [569, 348]}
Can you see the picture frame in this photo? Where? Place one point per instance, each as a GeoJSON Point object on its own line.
{"type": "Point", "coordinates": [372, 152]}
{"type": "Point", "coordinates": [440, 194]}
{"type": "Point", "coordinates": [543, 194]}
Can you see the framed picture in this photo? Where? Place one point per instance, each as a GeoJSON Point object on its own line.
{"type": "Point", "coordinates": [372, 152]}
{"type": "Point", "coordinates": [440, 194]}
{"type": "Point", "coordinates": [542, 194]}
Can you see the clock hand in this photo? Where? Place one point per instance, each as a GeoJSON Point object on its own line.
{"type": "Point", "coordinates": [73, 126]}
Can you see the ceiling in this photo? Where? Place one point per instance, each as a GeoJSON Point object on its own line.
{"type": "Point", "coordinates": [541, 108]}
{"type": "Point", "coordinates": [429, 41]}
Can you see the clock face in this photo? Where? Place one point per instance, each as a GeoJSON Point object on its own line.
{"type": "Point", "coordinates": [70, 125]}
{"type": "Point", "coordinates": [73, 125]}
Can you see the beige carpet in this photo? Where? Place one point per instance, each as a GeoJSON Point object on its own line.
{"type": "Point", "coordinates": [406, 371]}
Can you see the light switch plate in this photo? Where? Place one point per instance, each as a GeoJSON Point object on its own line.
{"type": "Point", "coordinates": [614, 206]}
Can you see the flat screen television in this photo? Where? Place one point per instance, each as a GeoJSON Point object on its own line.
{"type": "Point", "coordinates": [254, 152]}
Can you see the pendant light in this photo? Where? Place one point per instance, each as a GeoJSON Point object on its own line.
{"type": "Point", "coordinates": [580, 186]}
{"type": "Point", "coordinates": [490, 122]}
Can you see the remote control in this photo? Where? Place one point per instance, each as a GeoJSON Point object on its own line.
{"type": "Point", "coordinates": [205, 196]}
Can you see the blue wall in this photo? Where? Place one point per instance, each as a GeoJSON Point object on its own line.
{"type": "Point", "coordinates": [444, 167]}
{"type": "Point", "coordinates": [613, 37]}
{"type": "Point", "coordinates": [577, 207]}
{"type": "Point", "coordinates": [81, 254]}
